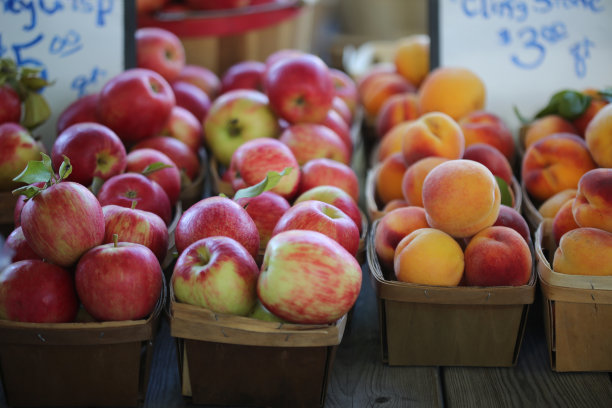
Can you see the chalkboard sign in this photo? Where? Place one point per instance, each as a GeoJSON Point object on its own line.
{"type": "Point", "coordinates": [524, 50]}
{"type": "Point", "coordinates": [78, 45]}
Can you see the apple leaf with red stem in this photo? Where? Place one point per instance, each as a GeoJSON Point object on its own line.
{"type": "Point", "coordinates": [41, 172]}
{"type": "Point", "coordinates": [269, 182]}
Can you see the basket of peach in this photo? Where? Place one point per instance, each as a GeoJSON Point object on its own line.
{"type": "Point", "coordinates": [454, 277]}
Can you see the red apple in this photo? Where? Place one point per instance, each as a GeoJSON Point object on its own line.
{"type": "Point", "coordinates": [83, 109]}
{"type": "Point", "coordinates": [324, 171]}
{"type": "Point", "coordinates": [192, 98]}
{"type": "Point", "coordinates": [265, 209]}
{"type": "Point", "coordinates": [281, 54]}
{"type": "Point", "coordinates": [252, 161]}
{"type": "Point", "coordinates": [300, 88]}
{"type": "Point", "coordinates": [185, 159]}
{"type": "Point", "coordinates": [34, 291]}
{"type": "Point", "coordinates": [168, 178]}
{"type": "Point", "coordinates": [149, 6]}
{"type": "Point", "coordinates": [325, 218]}
{"type": "Point", "coordinates": [343, 110]}
{"type": "Point", "coordinates": [216, 273]}
{"type": "Point", "coordinates": [62, 222]}
{"type": "Point", "coordinates": [299, 267]}
{"type": "Point", "coordinates": [119, 281]}
{"type": "Point", "coordinates": [21, 200]}
{"type": "Point", "coordinates": [19, 247]}
{"type": "Point", "coordinates": [182, 125]}
{"type": "Point", "coordinates": [216, 4]}
{"type": "Point", "coordinates": [336, 197]}
{"type": "Point", "coordinates": [345, 88]}
{"type": "Point", "coordinates": [138, 226]}
{"type": "Point", "coordinates": [124, 188]}
{"type": "Point", "coordinates": [334, 121]}
{"type": "Point", "coordinates": [243, 75]}
{"type": "Point", "coordinates": [17, 148]}
{"type": "Point", "coordinates": [310, 141]}
{"type": "Point", "coordinates": [136, 104]}
{"type": "Point", "coordinates": [216, 216]}
{"type": "Point", "coordinates": [93, 149]}
{"type": "Point", "coordinates": [10, 104]}
{"type": "Point", "coordinates": [161, 51]}
{"type": "Point", "coordinates": [234, 118]}
{"type": "Point", "coordinates": [202, 77]}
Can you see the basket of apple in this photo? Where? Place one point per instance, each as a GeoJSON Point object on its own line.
{"type": "Point", "coordinates": [565, 140]}
{"type": "Point", "coordinates": [233, 310]}
{"type": "Point", "coordinates": [460, 269]}
{"type": "Point", "coordinates": [78, 316]}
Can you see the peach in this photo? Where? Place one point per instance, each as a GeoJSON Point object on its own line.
{"type": "Point", "coordinates": [411, 58]}
{"type": "Point", "coordinates": [486, 127]}
{"type": "Point", "coordinates": [550, 207]}
{"type": "Point", "coordinates": [433, 134]}
{"type": "Point", "coordinates": [394, 204]}
{"type": "Point", "coordinates": [596, 104]}
{"type": "Point", "coordinates": [412, 181]}
{"type": "Point", "coordinates": [382, 86]}
{"type": "Point", "coordinates": [563, 221]}
{"type": "Point", "coordinates": [392, 141]}
{"type": "Point", "coordinates": [396, 109]}
{"type": "Point", "coordinates": [597, 136]}
{"type": "Point", "coordinates": [456, 91]}
{"type": "Point", "coordinates": [593, 204]}
{"type": "Point", "coordinates": [392, 227]}
{"type": "Point", "coordinates": [545, 126]}
{"type": "Point", "coordinates": [509, 217]}
{"type": "Point", "coordinates": [461, 197]}
{"type": "Point", "coordinates": [576, 252]}
{"type": "Point", "coordinates": [492, 158]}
{"type": "Point", "coordinates": [388, 180]}
{"type": "Point", "coordinates": [497, 256]}
{"type": "Point", "coordinates": [428, 256]}
{"type": "Point", "coordinates": [555, 163]}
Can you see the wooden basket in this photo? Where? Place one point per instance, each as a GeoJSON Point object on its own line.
{"type": "Point", "coordinates": [82, 364]}
{"type": "Point", "coordinates": [374, 207]}
{"type": "Point", "coordinates": [422, 325]}
{"type": "Point", "coordinates": [530, 210]}
{"type": "Point", "coordinates": [236, 361]}
{"type": "Point", "coordinates": [577, 312]}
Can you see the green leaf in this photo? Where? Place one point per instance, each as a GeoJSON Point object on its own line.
{"type": "Point", "coordinates": [65, 168]}
{"type": "Point", "coordinates": [519, 116]}
{"type": "Point", "coordinates": [28, 191]}
{"type": "Point", "coordinates": [36, 171]}
{"type": "Point", "coordinates": [504, 189]}
{"type": "Point", "coordinates": [269, 182]}
{"type": "Point", "coordinates": [567, 104]}
{"type": "Point", "coordinates": [606, 93]}
{"type": "Point", "coordinates": [36, 110]}
{"type": "Point", "coordinates": [154, 167]}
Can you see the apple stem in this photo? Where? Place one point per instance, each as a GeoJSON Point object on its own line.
{"type": "Point", "coordinates": [115, 240]}
{"type": "Point", "coordinates": [134, 203]}
{"type": "Point", "coordinates": [234, 127]}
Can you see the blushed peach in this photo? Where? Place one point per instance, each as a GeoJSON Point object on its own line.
{"type": "Point", "coordinates": [388, 181]}
{"type": "Point", "coordinates": [411, 58]}
{"type": "Point", "coordinates": [597, 136]}
{"type": "Point", "coordinates": [550, 207]}
{"type": "Point", "coordinates": [509, 217]}
{"type": "Point", "coordinates": [456, 91]}
{"type": "Point", "coordinates": [412, 181]}
{"type": "Point", "coordinates": [576, 252]}
{"type": "Point", "coordinates": [486, 127]}
{"type": "Point", "coordinates": [394, 226]}
{"type": "Point", "coordinates": [555, 163]}
{"type": "Point", "coordinates": [397, 109]}
{"type": "Point", "coordinates": [593, 204]}
{"type": "Point", "coordinates": [492, 158]}
{"type": "Point", "coordinates": [428, 256]}
{"type": "Point", "coordinates": [376, 91]}
{"type": "Point", "coordinates": [392, 141]}
{"type": "Point", "coordinates": [497, 256]}
{"type": "Point", "coordinates": [563, 221]}
{"type": "Point", "coordinates": [545, 126]}
{"type": "Point", "coordinates": [596, 104]}
{"type": "Point", "coordinates": [394, 204]}
{"type": "Point", "coordinates": [461, 197]}
{"type": "Point", "coordinates": [433, 134]}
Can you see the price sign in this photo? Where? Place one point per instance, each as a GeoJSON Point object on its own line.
{"type": "Point", "coordinates": [77, 44]}
{"type": "Point", "coordinates": [525, 50]}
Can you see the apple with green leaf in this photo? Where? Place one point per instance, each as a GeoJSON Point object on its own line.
{"type": "Point", "coordinates": [17, 148]}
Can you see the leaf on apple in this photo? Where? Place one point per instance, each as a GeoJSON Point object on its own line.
{"type": "Point", "coordinates": [40, 172]}
{"type": "Point", "coordinates": [504, 189]}
{"type": "Point", "coordinates": [269, 182]}
{"type": "Point", "coordinates": [153, 167]}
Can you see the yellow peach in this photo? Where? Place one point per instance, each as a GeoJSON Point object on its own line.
{"type": "Point", "coordinates": [412, 181]}
{"type": "Point", "coordinates": [597, 136]}
{"type": "Point", "coordinates": [593, 204]}
{"type": "Point", "coordinates": [576, 252]}
{"type": "Point", "coordinates": [550, 207]}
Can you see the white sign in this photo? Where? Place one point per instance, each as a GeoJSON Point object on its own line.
{"type": "Point", "coordinates": [525, 50]}
{"type": "Point", "coordinates": [78, 44]}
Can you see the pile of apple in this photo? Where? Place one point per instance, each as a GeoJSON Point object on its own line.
{"type": "Point", "coordinates": [283, 247]}
{"type": "Point", "coordinates": [566, 171]}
